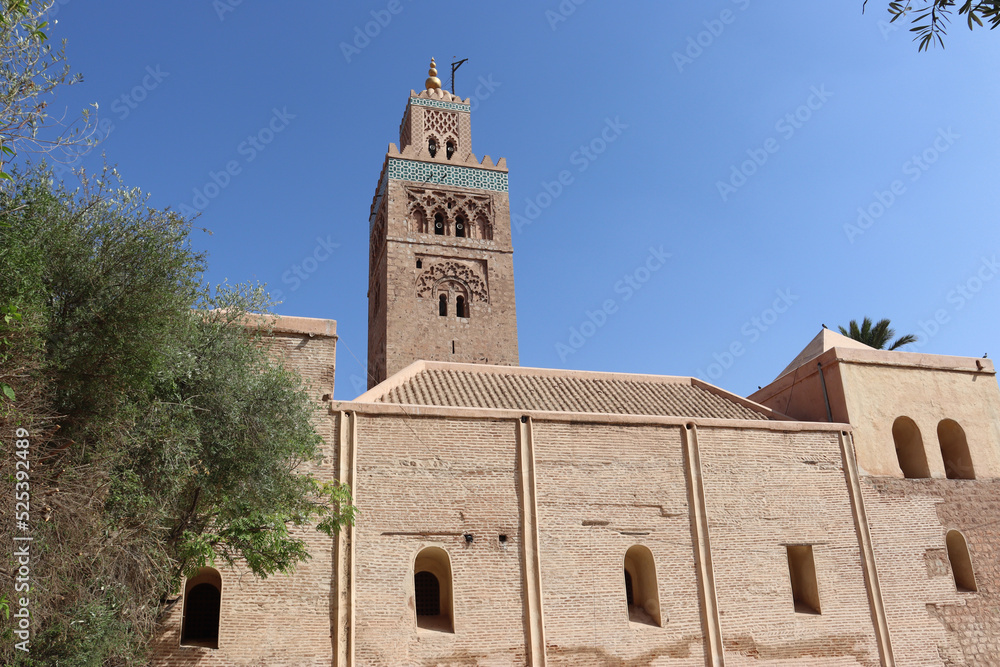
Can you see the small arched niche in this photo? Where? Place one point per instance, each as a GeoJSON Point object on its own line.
{"type": "Point", "coordinates": [432, 590]}
{"type": "Point", "coordinates": [439, 224]}
{"type": "Point", "coordinates": [955, 450]}
{"type": "Point", "coordinates": [483, 230]}
{"type": "Point", "coordinates": [961, 562]}
{"type": "Point", "coordinates": [419, 220]}
{"type": "Point", "coordinates": [202, 607]}
{"type": "Point", "coordinates": [910, 449]}
{"type": "Point", "coordinates": [450, 148]}
{"type": "Point", "coordinates": [461, 307]}
{"type": "Point", "coordinates": [461, 227]}
{"type": "Point", "coordinates": [642, 595]}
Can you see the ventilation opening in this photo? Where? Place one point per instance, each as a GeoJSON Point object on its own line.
{"type": "Point", "coordinates": [438, 224]}
{"type": "Point", "coordinates": [202, 606]}
{"type": "Point", "coordinates": [453, 347]}
{"type": "Point", "coordinates": [432, 594]}
{"type": "Point", "coordinates": [443, 305]}
{"type": "Point", "coordinates": [955, 450]}
{"type": "Point", "coordinates": [432, 147]}
{"type": "Point", "coordinates": [802, 571]}
{"type": "Point", "coordinates": [641, 591]}
{"type": "Point", "coordinates": [503, 539]}
{"type": "Point", "coordinates": [460, 227]}
{"type": "Point", "coordinates": [910, 449]}
{"type": "Point", "coordinates": [460, 309]}
{"type": "Point", "coordinates": [420, 264]}
{"type": "Point", "coordinates": [961, 562]}
{"type": "Point", "coordinates": [450, 149]}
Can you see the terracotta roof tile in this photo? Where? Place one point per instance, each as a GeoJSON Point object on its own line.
{"type": "Point", "coordinates": [521, 389]}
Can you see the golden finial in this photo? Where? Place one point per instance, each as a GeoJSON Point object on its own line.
{"type": "Point", "coordinates": [433, 81]}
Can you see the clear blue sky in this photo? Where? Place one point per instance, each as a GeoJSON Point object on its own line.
{"type": "Point", "coordinates": [823, 110]}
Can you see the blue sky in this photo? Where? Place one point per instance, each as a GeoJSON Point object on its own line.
{"type": "Point", "coordinates": [771, 166]}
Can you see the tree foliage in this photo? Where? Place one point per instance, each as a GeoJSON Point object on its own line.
{"type": "Point", "coordinates": [930, 18]}
{"type": "Point", "coordinates": [31, 70]}
{"type": "Point", "coordinates": [878, 335]}
{"type": "Point", "coordinates": [164, 435]}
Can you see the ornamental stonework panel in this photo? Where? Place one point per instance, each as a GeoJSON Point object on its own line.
{"type": "Point", "coordinates": [471, 274]}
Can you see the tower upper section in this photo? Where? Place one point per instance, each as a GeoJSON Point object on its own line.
{"type": "Point", "coordinates": [441, 277]}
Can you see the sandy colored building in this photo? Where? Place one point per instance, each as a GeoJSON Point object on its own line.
{"type": "Point", "coordinates": [845, 514]}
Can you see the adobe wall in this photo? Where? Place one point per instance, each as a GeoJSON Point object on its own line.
{"type": "Point", "coordinates": [876, 395]}
{"type": "Point", "coordinates": [285, 619]}
{"type": "Point", "coordinates": [282, 621]}
{"type": "Point", "coordinates": [601, 489]}
{"type": "Point", "coordinates": [930, 621]}
{"type": "Point", "coordinates": [765, 490]}
{"type": "Point", "coordinates": [427, 482]}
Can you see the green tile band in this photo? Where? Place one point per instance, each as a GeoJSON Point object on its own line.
{"type": "Point", "coordinates": [437, 104]}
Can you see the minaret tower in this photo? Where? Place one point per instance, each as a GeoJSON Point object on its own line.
{"type": "Point", "coordinates": [440, 268]}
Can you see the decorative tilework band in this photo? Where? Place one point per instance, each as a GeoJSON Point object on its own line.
{"type": "Point", "coordinates": [446, 174]}
{"type": "Point", "coordinates": [438, 104]}
{"type": "Point", "coordinates": [441, 174]}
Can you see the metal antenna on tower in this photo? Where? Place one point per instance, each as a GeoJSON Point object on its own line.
{"type": "Point", "coordinates": [454, 67]}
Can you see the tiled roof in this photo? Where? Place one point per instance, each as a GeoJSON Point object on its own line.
{"type": "Point", "coordinates": [462, 385]}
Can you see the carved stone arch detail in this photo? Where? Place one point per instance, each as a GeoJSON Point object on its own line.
{"type": "Point", "coordinates": [429, 280]}
{"type": "Point", "coordinates": [483, 226]}
{"type": "Point", "coordinates": [419, 220]}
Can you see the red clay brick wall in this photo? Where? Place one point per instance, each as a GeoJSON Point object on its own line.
{"type": "Point", "coordinates": [930, 622]}
{"type": "Point", "coordinates": [443, 478]}
{"type": "Point", "coordinates": [765, 490]}
{"type": "Point", "coordinates": [628, 484]}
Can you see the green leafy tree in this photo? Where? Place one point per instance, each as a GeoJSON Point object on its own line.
{"type": "Point", "coordinates": [164, 435]}
{"type": "Point", "coordinates": [877, 335]}
{"type": "Point", "coordinates": [930, 18]}
{"type": "Point", "coordinates": [31, 70]}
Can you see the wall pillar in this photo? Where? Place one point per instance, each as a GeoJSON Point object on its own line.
{"type": "Point", "coordinates": [534, 618]}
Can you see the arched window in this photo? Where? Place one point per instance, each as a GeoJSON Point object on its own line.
{"type": "Point", "coordinates": [955, 450]}
{"type": "Point", "coordinates": [443, 305]}
{"type": "Point", "coordinates": [450, 148]}
{"type": "Point", "coordinates": [202, 606]}
{"type": "Point", "coordinates": [460, 309]}
{"type": "Point", "coordinates": [910, 448]}
{"type": "Point", "coordinates": [961, 562]}
{"type": "Point", "coordinates": [641, 592]}
{"type": "Point", "coordinates": [439, 223]}
{"type": "Point", "coordinates": [432, 146]}
{"type": "Point", "coordinates": [460, 226]}
{"type": "Point", "coordinates": [432, 594]}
